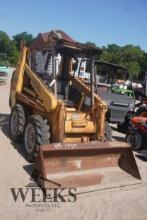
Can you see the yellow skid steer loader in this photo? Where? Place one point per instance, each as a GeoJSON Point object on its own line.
{"type": "Point", "coordinates": [61, 120]}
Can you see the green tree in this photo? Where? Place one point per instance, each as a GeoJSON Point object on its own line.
{"type": "Point", "coordinates": [111, 53]}
{"type": "Point", "coordinates": [7, 46]}
{"type": "Point", "coordinates": [24, 36]}
{"type": "Point", "coordinates": [131, 57]}
{"type": "Point", "coordinates": [91, 44]}
{"type": "Point", "coordinates": [4, 42]}
{"type": "Point", "coordinates": [13, 53]}
{"type": "Point", "coordinates": [128, 56]}
{"type": "Point", "coordinates": [143, 67]}
{"type": "Point", "coordinates": [132, 53]}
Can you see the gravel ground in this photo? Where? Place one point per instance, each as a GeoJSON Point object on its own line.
{"type": "Point", "coordinates": [128, 203]}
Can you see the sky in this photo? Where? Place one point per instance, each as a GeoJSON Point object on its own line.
{"type": "Point", "coordinates": [101, 21]}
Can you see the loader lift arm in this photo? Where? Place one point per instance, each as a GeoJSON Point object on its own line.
{"type": "Point", "coordinates": [46, 97]}
{"type": "Point", "coordinates": [98, 110]}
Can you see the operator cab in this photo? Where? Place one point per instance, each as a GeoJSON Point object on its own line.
{"type": "Point", "coordinates": [57, 67]}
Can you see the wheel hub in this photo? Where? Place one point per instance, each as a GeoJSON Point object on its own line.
{"type": "Point", "coordinates": [29, 138]}
{"type": "Point", "coordinates": [14, 123]}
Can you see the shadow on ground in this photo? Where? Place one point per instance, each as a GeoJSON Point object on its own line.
{"type": "Point", "coordinates": [29, 170]}
{"type": "Point", "coordinates": [117, 138]}
{"type": "Point", "coordinates": [141, 157]}
{"type": "Point", "coordinates": [118, 130]}
{"type": "Point", "coordinates": [4, 126]}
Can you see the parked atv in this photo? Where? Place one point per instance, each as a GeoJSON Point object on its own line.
{"type": "Point", "coordinates": [136, 135]}
{"type": "Point", "coordinates": [140, 109]}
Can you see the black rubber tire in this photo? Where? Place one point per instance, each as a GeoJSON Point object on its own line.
{"type": "Point", "coordinates": [12, 79]}
{"type": "Point", "coordinates": [130, 139]}
{"type": "Point", "coordinates": [41, 135]}
{"type": "Point", "coordinates": [141, 110]}
{"type": "Point", "coordinates": [135, 140]}
{"type": "Point", "coordinates": [108, 132]}
{"type": "Point", "coordinates": [17, 111]}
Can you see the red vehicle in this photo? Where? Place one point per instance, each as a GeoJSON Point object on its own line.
{"type": "Point", "coordinates": [138, 132]}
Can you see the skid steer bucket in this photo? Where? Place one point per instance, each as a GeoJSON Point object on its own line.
{"type": "Point", "coordinates": [84, 165]}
